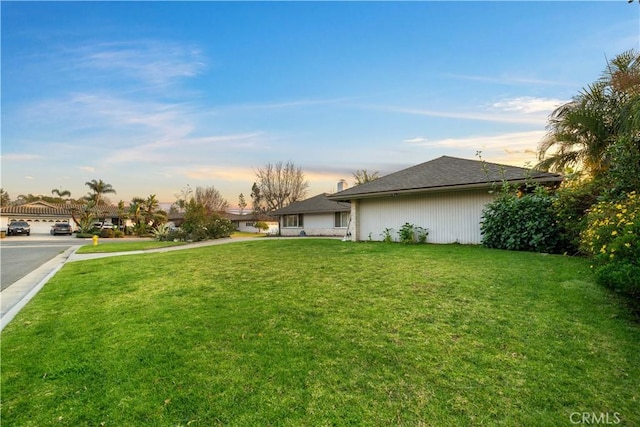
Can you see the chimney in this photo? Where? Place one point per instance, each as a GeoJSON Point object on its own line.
{"type": "Point", "coordinates": [342, 185]}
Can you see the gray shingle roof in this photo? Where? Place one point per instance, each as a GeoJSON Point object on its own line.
{"type": "Point", "coordinates": [444, 173]}
{"type": "Point", "coordinates": [249, 217]}
{"type": "Point", "coordinates": [316, 204]}
{"type": "Point", "coordinates": [44, 208]}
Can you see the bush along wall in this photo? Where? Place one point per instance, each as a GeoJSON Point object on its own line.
{"type": "Point", "coordinates": [522, 222]}
{"type": "Point", "coordinates": [612, 238]}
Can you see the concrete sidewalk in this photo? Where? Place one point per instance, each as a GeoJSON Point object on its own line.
{"type": "Point", "coordinates": [82, 257]}
{"type": "Point", "coordinates": [16, 296]}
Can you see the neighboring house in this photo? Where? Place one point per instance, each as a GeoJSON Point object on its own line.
{"type": "Point", "coordinates": [246, 223]}
{"type": "Point", "coordinates": [316, 216]}
{"type": "Point", "coordinates": [446, 196]}
{"type": "Point", "coordinates": [42, 215]}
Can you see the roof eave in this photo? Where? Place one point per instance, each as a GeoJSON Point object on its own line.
{"type": "Point", "coordinates": [295, 212]}
{"type": "Point", "coordinates": [456, 187]}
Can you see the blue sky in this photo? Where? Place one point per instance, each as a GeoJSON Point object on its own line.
{"type": "Point", "coordinates": [154, 96]}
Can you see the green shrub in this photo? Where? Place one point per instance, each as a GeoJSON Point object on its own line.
{"type": "Point", "coordinates": [406, 233]}
{"type": "Point", "coordinates": [201, 224]}
{"type": "Point", "coordinates": [386, 235]}
{"type": "Point", "coordinates": [261, 225]}
{"type": "Point", "coordinates": [410, 233]}
{"type": "Point", "coordinates": [612, 238]}
{"type": "Point", "coordinates": [106, 233]}
{"type": "Point", "coordinates": [218, 227]}
{"type": "Point", "coordinates": [571, 204]}
{"type": "Point", "coordinates": [177, 235]}
{"type": "Point", "coordinates": [521, 223]}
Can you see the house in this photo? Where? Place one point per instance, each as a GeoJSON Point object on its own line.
{"type": "Point", "coordinates": [316, 216]}
{"type": "Point", "coordinates": [446, 196]}
{"type": "Point", "coordinates": [246, 222]}
{"type": "Point", "coordinates": [42, 215]}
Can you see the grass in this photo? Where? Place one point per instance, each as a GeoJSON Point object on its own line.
{"type": "Point", "coordinates": [248, 234]}
{"type": "Point", "coordinates": [142, 245]}
{"type": "Point", "coordinates": [321, 332]}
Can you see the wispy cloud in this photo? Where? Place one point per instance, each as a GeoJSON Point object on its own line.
{"type": "Point", "coordinates": [150, 61]}
{"type": "Point", "coordinates": [528, 104]}
{"type": "Point", "coordinates": [223, 173]}
{"type": "Point", "coordinates": [509, 80]}
{"type": "Point", "coordinates": [290, 104]}
{"type": "Point", "coordinates": [517, 110]}
{"type": "Point", "coordinates": [506, 141]}
{"type": "Point", "coordinates": [487, 116]}
{"type": "Point", "coordinates": [416, 140]}
{"type": "Point", "coordinates": [90, 169]}
{"type": "Point", "coordinates": [175, 148]}
{"type": "Point", "coordinates": [20, 157]}
{"type": "Point", "coordinates": [514, 148]}
{"type": "Point", "coordinates": [100, 112]}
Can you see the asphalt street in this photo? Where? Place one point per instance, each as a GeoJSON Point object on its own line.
{"type": "Point", "coordinates": [20, 255]}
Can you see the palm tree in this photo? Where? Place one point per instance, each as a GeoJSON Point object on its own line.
{"type": "Point", "coordinates": [99, 188]}
{"type": "Point", "coordinates": [153, 214]}
{"type": "Point", "coordinates": [122, 215]}
{"type": "Point", "coordinates": [61, 193]}
{"type": "Point", "coordinates": [136, 209]}
{"type": "Point", "coordinates": [146, 213]}
{"type": "Point", "coordinates": [582, 132]}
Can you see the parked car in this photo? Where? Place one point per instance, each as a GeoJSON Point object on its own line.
{"type": "Point", "coordinates": [18, 227]}
{"type": "Point", "coordinates": [61, 228]}
{"type": "Point", "coordinates": [101, 225]}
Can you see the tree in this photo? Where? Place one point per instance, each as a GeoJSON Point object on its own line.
{"type": "Point", "coordinates": [210, 199]}
{"type": "Point", "coordinates": [5, 200]}
{"type": "Point", "coordinates": [257, 204]}
{"type": "Point", "coordinates": [61, 193]}
{"type": "Point", "coordinates": [84, 215]}
{"type": "Point", "coordinates": [582, 132]}
{"type": "Point", "coordinates": [280, 184]}
{"type": "Point", "coordinates": [242, 203]}
{"type": "Point", "coordinates": [181, 200]}
{"type": "Point", "coordinates": [154, 215]}
{"type": "Point", "coordinates": [136, 209]}
{"type": "Point", "coordinates": [29, 198]}
{"type": "Point", "coordinates": [98, 188]}
{"type": "Point", "coordinates": [361, 176]}
{"type": "Point", "coordinates": [202, 216]}
{"type": "Point", "coordinates": [146, 214]}
{"type": "Point", "coordinates": [122, 215]}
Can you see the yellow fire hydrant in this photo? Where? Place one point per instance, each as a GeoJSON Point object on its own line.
{"type": "Point", "coordinates": [95, 240]}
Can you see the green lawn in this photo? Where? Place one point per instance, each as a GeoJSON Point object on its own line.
{"type": "Point", "coordinates": [106, 246]}
{"type": "Point", "coordinates": [140, 245]}
{"type": "Point", "coordinates": [321, 332]}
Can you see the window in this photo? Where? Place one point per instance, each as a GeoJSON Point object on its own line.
{"type": "Point", "coordinates": [342, 219]}
{"type": "Point", "coordinates": [292, 221]}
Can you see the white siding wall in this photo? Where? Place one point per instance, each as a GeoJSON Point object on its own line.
{"type": "Point", "coordinates": [242, 226]}
{"type": "Point", "coordinates": [449, 216]}
{"type": "Point", "coordinates": [321, 224]}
